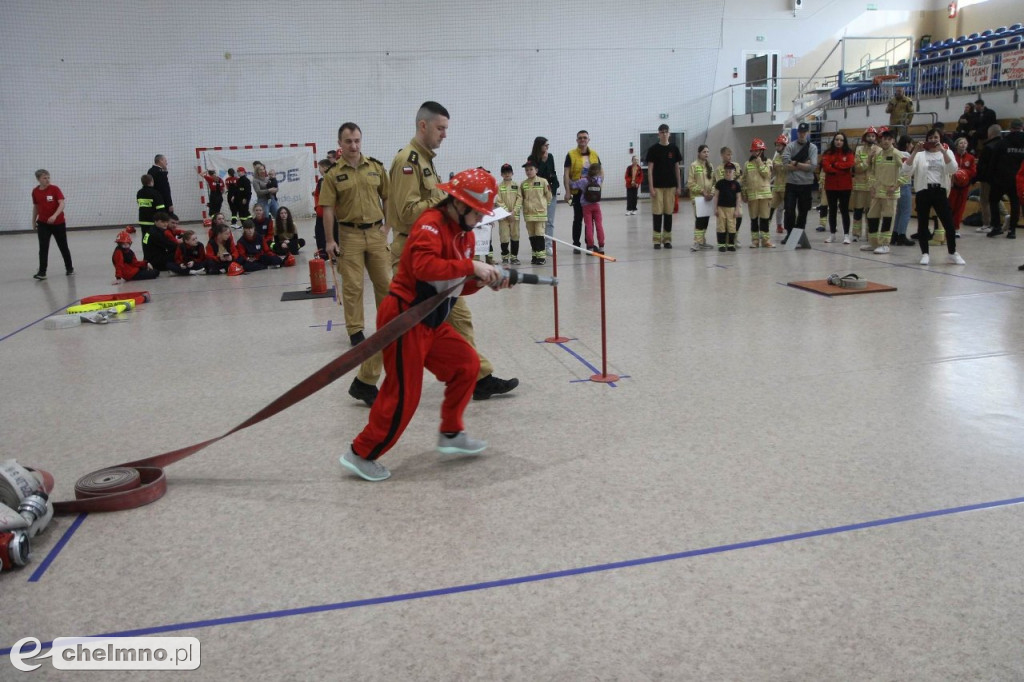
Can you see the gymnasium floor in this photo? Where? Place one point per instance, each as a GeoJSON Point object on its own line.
{"type": "Point", "coordinates": [781, 486]}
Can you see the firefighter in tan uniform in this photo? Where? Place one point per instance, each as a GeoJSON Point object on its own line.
{"type": "Point", "coordinates": [860, 198]}
{"type": "Point", "coordinates": [413, 190]}
{"type": "Point", "coordinates": [757, 185]}
{"type": "Point", "coordinates": [885, 192]}
{"type": "Point", "coordinates": [702, 184]}
{"type": "Point", "coordinates": [508, 228]}
{"type": "Point", "coordinates": [354, 192]}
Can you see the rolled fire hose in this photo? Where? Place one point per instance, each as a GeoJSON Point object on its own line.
{"type": "Point", "coordinates": [850, 281]}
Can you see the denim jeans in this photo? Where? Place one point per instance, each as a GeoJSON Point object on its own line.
{"type": "Point", "coordinates": [903, 206]}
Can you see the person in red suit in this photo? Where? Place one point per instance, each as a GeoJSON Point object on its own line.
{"type": "Point", "coordinates": [967, 169]}
{"type": "Point", "coordinates": [127, 266]}
{"type": "Point", "coordinates": [437, 255]}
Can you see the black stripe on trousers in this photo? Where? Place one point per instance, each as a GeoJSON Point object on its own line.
{"type": "Point", "coordinates": [396, 419]}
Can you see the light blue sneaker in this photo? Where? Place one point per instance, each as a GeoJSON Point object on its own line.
{"type": "Point", "coordinates": [459, 444]}
{"type": "Point", "coordinates": [368, 469]}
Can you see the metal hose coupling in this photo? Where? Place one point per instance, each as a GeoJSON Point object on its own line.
{"type": "Point", "coordinates": [515, 277]}
{"type": "Point", "coordinates": [14, 549]}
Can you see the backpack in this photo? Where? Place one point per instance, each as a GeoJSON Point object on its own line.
{"type": "Point", "coordinates": [592, 192]}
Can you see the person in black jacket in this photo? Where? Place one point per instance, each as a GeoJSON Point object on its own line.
{"type": "Point", "coordinates": [983, 118]}
{"type": "Point", "coordinates": [1007, 156]}
{"type": "Point", "coordinates": [160, 182]}
{"type": "Point", "coordinates": [157, 247]}
{"type": "Point", "coordinates": [243, 195]}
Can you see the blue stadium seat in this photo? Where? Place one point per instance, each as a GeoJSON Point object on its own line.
{"type": "Point", "coordinates": [1001, 30]}
{"type": "Point", "coordinates": [947, 42]}
{"type": "Point", "coordinates": [974, 36]}
{"type": "Point", "coordinates": [986, 33]}
{"type": "Point", "coordinates": [946, 53]}
{"type": "Point", "coordinates": [986, 45]}
{"type": "Point", "coordinates": [1016, 39]}
{"type": "Point", "coordinates": [999, 43]}
{"type": "Point", "coordinates": [960, 39]}
{"type": "Point", "coordinates": [956, 50]}
{"type": "Point", "coordinates": [1016, 27]}
{"type": "Point", "coordinates": [972, 48]}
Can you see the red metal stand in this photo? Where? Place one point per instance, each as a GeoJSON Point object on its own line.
{"type": "Point", "coordinates": [554, 273]}
{"type": "Point", "coordinates": [604, 377]}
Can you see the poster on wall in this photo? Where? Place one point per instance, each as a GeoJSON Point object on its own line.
{"type": "Point", "coordinates": [294, 168]}
{"type": "Point", "coordinates": [977, 70]}
{"type": "Point", "coordinates": [1012, 66]}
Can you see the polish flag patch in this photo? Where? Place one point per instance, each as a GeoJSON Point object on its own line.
{"type": "Point", "coordinates": [406, 170]}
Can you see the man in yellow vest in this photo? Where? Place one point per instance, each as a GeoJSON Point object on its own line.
{"type": "Point", "coordinates": [577, 161]}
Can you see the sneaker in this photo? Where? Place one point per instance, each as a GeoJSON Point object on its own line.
{"type": "Point", "coordinates": [882, 249]}
{"type": "Point", "coordinates": [707, 247]}
{"type": "Point", "coordinates": [721, 249]}
{"type": "Point", "coordinates": [367, 469]}
{"type": "Point", "coordinates": [197, 271]}
{"type": "Point", "coordinates": [505, 260]}
{"type": "Point", "coordinates": [576, 248]}
{"type": "Point", "coordinates": [779, 229]}
{"type": "Point", "coordinates": [695, 247]}
{"type": "Point", "coordinates": [600, 249]}
{"type": "Point", "coordinates": [819, 228]}
{"type": "Point", "coordinates": [730, 248]}
{"type": "Point", "coordinates": [831, 238]}
{"type": "Point", "coordinates": [542, 261]}
{"type": "Point", "coordinates": [549, 251]}
{"type": "Point", "coordinates": [459, 444]}
{"type": "Point", "coordinates": [1009, 235]}
{"type": "Point", "coordinates": [357, 338]}
{"type": "Point", "coordinates": [535, 261]}
{"type": "Point", "coordinates": [848, 240]}
{"type": "Point", "coordinates": [515, 261]}
{"type": "Point", "coordinates": [71, 271]}
{"type": "Point", "coordinates": [983, 228]}
{"type": "Point", "coordinates": [867, 247]}
{"type": "Point", "coordinates": [657, 247]}
{"type": "Point", "coordinates": [363, 391]}
{"type": "Point", "coordinates": [955, 259]}
{"type": "Point", "coordinates": [924, 259]}
{"type": "Point", "coordinates": [667, 245]}
{"type": "Point", "coordinates": [39, 275]}
{"type": "Point", "coordinates": [492, 385]}
{"type": "Point", "coordinates": [995, 232]}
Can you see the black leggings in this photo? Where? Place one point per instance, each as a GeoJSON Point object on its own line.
{"type": "Point", "coordinates": [934, 198]}
{"type": "Point", "coordinates": [60, 235]}
{"type": "Point", "coordinates": [838, 199]}
{"type": "Point", "coordinates": [631, 195]}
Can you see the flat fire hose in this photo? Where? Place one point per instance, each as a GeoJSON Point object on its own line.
{"type": "Point", "coordinates": [134, 484]}
{"type": "Point", "coordinates": [850, 281]}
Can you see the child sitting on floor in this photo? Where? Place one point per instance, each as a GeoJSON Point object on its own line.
{"type": "Point", "coordinates": [286, 235]}
{"type": "Point", "coordinates": [220, 253]}
{"type": "Point", "coordinates": [252, 252]}
{"type": "Point", "coordinates": [127, 266]}
{"type": "Point", "coordinates": [189, 257]}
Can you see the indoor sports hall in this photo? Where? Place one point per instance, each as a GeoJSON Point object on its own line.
{"type": "Point", "coordinates": [713, 475]}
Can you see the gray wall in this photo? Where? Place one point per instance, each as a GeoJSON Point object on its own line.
{"type": "Point", "coordinates": [93, 89]}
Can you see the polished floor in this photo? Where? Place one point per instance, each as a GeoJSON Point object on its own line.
{"type": "Point", "coordinates": [781, 485]}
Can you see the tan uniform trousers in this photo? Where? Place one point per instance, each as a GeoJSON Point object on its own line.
{"type": "Point", "coordinates": [860, 198]}
{"type": "Point", "coordinates": [397, 244]}
{"type": "Point", "coordinates": [508, 230]}
{"type": "Point", "coordinates": [759, 208]}
{"type": "Point", "coordinates": [882, 208]}
{"type": "Point", "coordinates": [725, 219]}
{"type": "Point", "coordinates": [778, 198]}
{"type": "Point", "coordinates": [535, 229]}
{"type": "Point", "coordinates": [663, 200]}
{"type": "Point", "coordinates": [362, 249]}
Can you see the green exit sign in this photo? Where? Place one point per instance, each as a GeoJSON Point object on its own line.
{"type": "Point", "coordinates": [872, 6]}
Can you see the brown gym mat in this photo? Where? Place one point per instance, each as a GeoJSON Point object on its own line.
{"type": "Point", "coordinates": [821, 286]}
{"type": "Point", "coordinates": [303, 295]}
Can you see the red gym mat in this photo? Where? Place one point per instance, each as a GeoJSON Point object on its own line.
{"type": "Point", "coordinates": [821, 286]}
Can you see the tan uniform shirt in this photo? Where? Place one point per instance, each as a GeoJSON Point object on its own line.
{"type": "Point", "coordinates": [413, 186]}
{"type": "Point", "coordinates": [356, 193]}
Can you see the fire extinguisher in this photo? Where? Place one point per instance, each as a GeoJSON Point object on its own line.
{"type": "Point", "coordinates": [317, 275]}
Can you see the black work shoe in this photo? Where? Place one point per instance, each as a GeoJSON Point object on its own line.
{"type": "Point", "coordinates": [668, 245]}
{"type": "Point", "coordinates": [39, 275]}
{"type": "Point", "coordinates": [357, 338]}
{"type": "Point", "coordinates": [492, 385]}
{"type": "Point", "coordinates": [657, 247]}
{"type": "Point", "coordinates": [1009, 235]}
{"type": "Point", "coordinates": [996, 231]}
{"type": "Point", "coordinates": [363, 391]}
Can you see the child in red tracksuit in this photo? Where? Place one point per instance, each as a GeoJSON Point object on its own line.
{"type": "Point", "coordinates": [252, 252]}
{"type": "Point", "coordinates": [220, 252]}
{"type": "Point", "coordinates": [437, 255]}
{"type": "Point", "coordinates": [127, 266]}
{"type": "Point", "coordinates": [263, 222]}
{"type": "Point", "coordinates": [189, 257]}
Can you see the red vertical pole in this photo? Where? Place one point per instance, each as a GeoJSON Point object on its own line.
{"type": "Point", "coordinates": [604, 377]}
{"type": "Point", "coordinates": [554, 273]}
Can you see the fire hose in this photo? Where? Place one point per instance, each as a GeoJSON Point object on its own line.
{"type": "Point", "coordinates": [140, 482]}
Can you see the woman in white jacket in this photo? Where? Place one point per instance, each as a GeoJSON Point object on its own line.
{"type": "Point", "coordinates": [931, 166]}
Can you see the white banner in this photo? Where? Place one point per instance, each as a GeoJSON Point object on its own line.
{"type": "Point", "coordinates": [1011, 67]}
{"type": "Point", "coordinates": [294, 167]}
{"type": "Point", "coordinates": [977, 70]}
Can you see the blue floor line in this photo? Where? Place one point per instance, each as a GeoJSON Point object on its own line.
{"type": "Point", "coordinates": [38, 573]}
{"type": "Point", "coordinates": [4, 338]}
{"type": "Point", "coordinates": [540, 577]}
{"type": "Point", "coordinates": [586, 364]}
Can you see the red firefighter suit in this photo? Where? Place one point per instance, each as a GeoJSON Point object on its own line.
{"type": "Point", "coordinates": [437, 255]}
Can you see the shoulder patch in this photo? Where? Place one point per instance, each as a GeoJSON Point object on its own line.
{"type": "Point", "coordinates": [414, 157]}
{"type": "Point", "coordinates": [406, 170]}
{"type": "Point", "coordinates": [373, 160]}
{"type": "Point", "coordinates": [426, 172]}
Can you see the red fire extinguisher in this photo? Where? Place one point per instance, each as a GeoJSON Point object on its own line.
{"type": "Point", "coordinates": [317, 275]}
